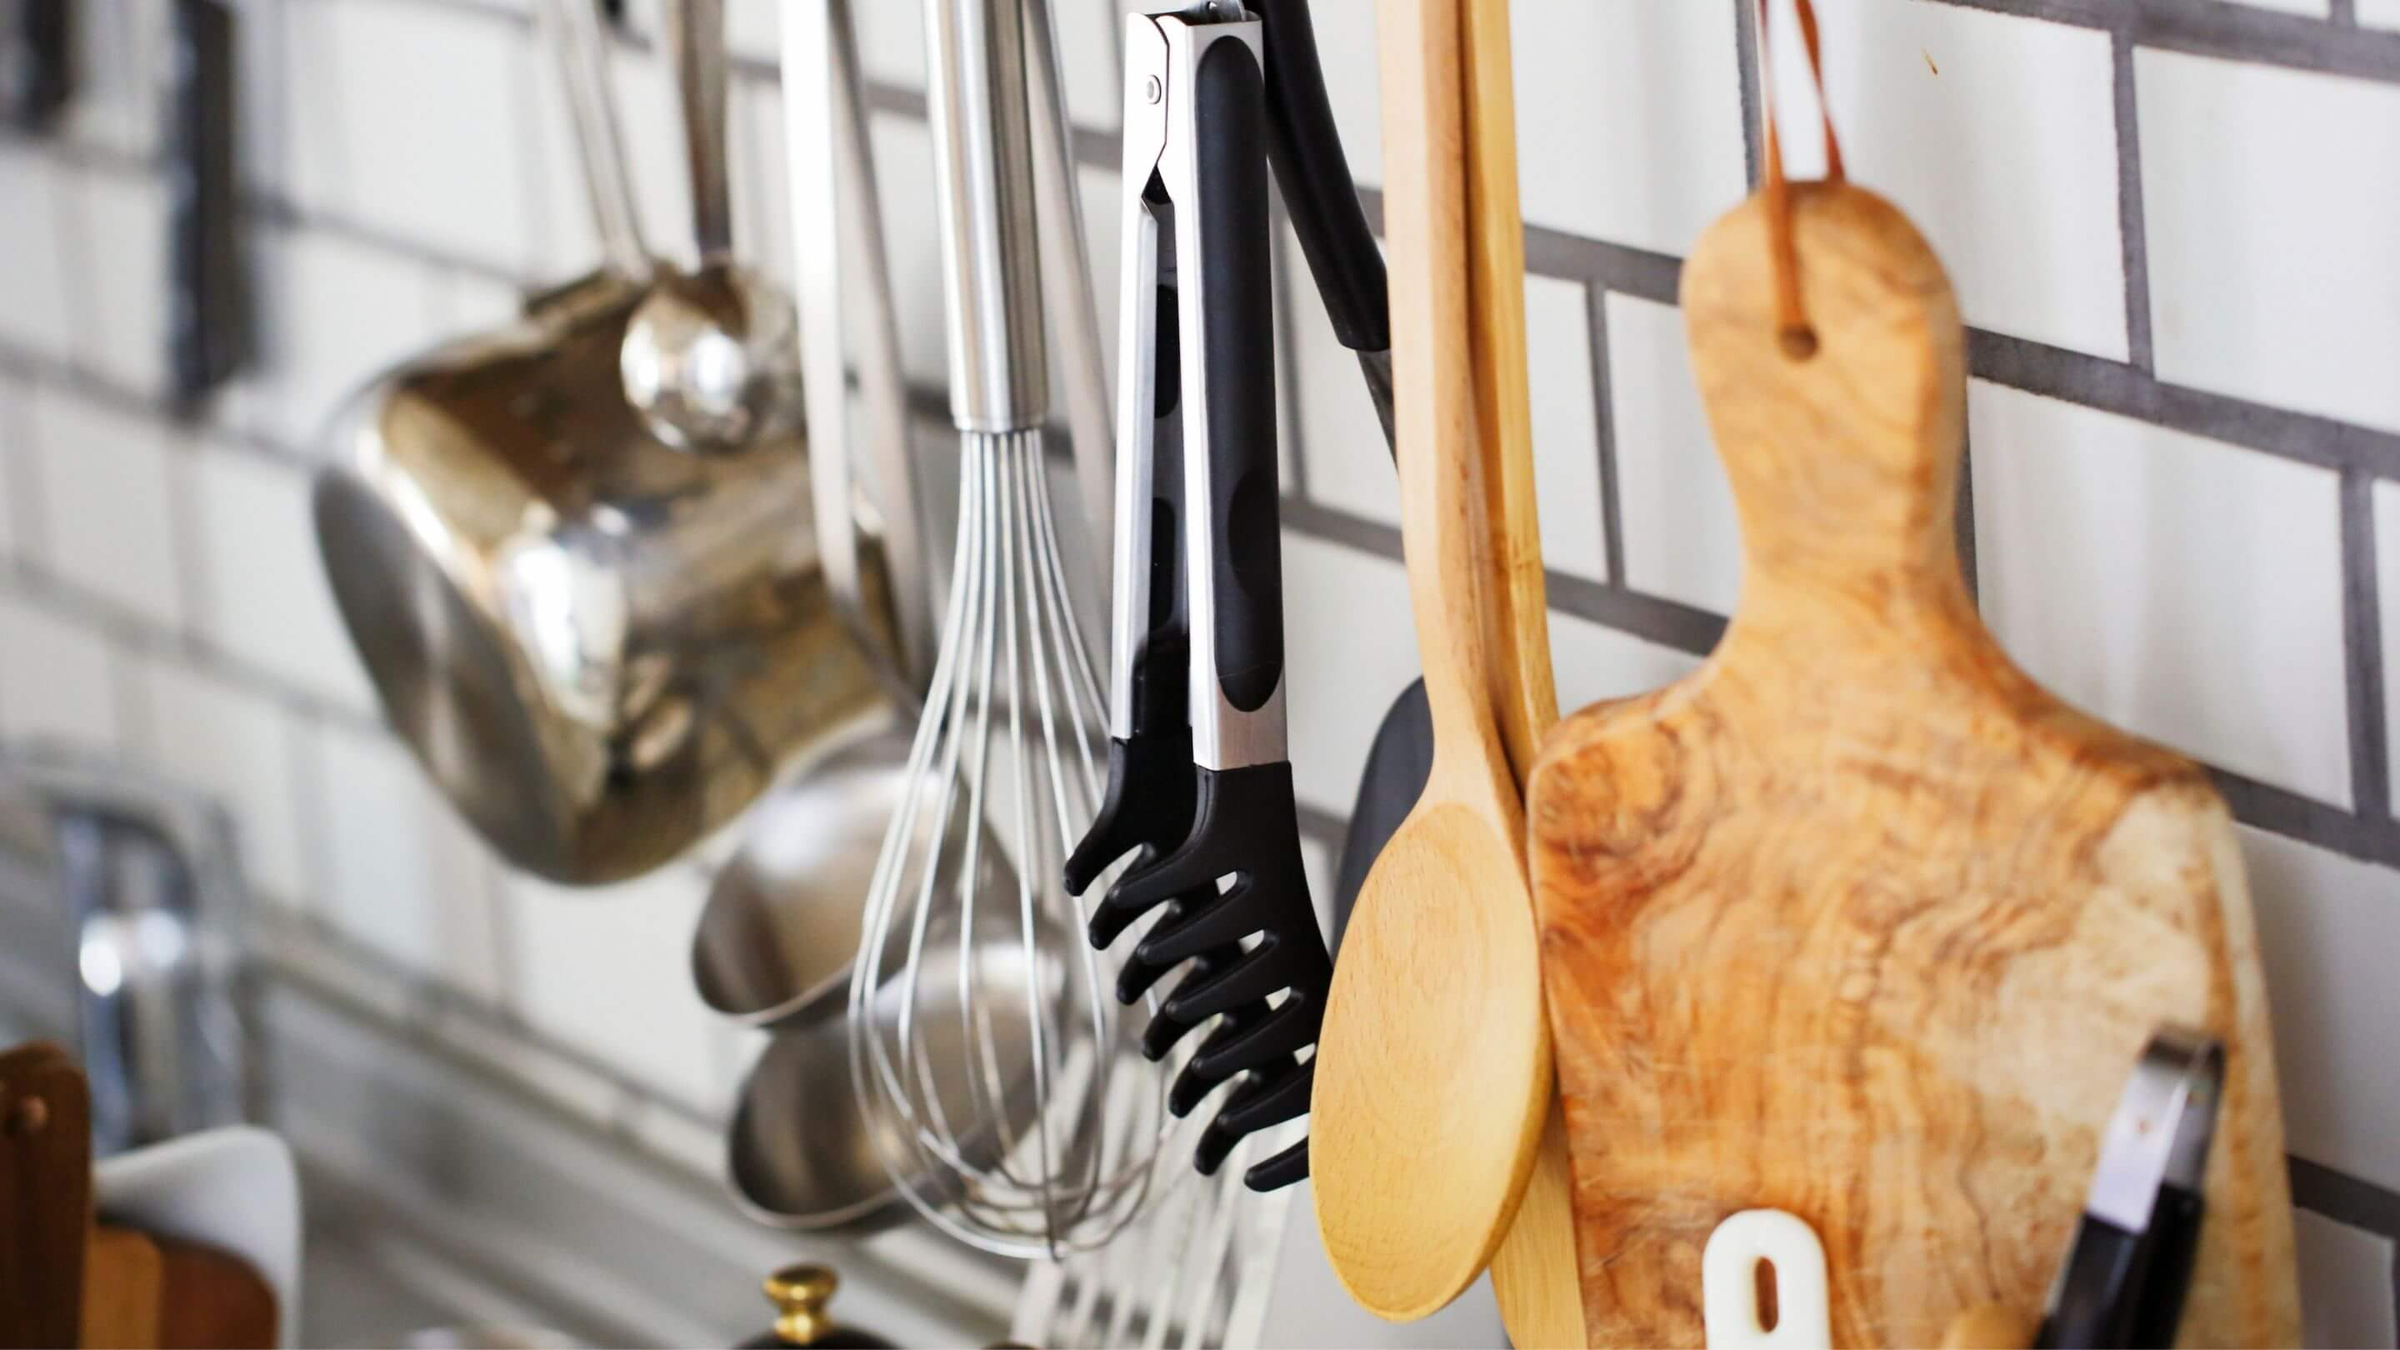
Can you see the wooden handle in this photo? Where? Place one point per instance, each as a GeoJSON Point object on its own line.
{"type": "Point", "coordinates": [1441, 478]}
{"type": "Point", "coordinates": [1522, 691]}
{"type": "Point", "coordinates": [1533, 1272]}
{"type": "Point", "coordinates": [1989, 1326]}
{"type": "Point", "coordinates": [45, 1195]}
{"type": "Point", "coordinates": [1844, 462]}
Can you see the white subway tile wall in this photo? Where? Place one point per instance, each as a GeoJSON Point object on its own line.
{"type": "Point", "coordinates": [2170, 226]}
{"type": "Point", "coordinates": [1998, 138]}
{"type": "Point", "coordinates": [2079, 513]}
{"type": "Point", "coordinates": [2342, 1272]}
{"type": "Point", "coordinates": [2263, 191]}
{"type": "Point", "coordinates": [1682, 540]}
{"type": "Point", "coordinates": [107, 480]}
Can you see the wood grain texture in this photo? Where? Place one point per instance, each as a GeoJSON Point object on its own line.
{"type": "Point", "coordinates": [1533, 1271]}
{"type": "Point", "coordinates": [1518, 608]}
{"type": "Point", "coordinates": [1856, 920]}
{"type": "Point", "coordinates": [213, 1300]}
{"type": "Point", "coordinates": [1434, 1064]}
{"type": "Point", "coordinates": [45, 1195]}
{"type": "Point", "coordinates": [1991, 1326]}
{"type": "Point", "coordinates": [124, 1290]}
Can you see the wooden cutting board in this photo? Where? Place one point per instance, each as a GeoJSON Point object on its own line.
{"type": "Point", "coordinates": [1857, 921]}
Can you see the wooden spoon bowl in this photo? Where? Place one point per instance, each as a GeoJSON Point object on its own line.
{"type": "Point", "coordinates": [1433, 1070]}
{"type": "Point", "coordinates": [1444, 1062]}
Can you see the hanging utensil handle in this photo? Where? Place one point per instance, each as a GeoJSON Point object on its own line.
{"type": "Point", "coordinates": [206, 320]}
{"type": "Point", "coordinates": [1067, 275]}
{"type": "Point", "coordinates": [582, 49]}
{"type": "Point", "coordinates": [983, 158]}
{"type": "Point", "coordinates": [694, 31]}
{"type": "Point", "coordinates": [1314, 175]}
{"type": "Point", "coordinates": [1148, 803]}
{"type": "Point", "coordinates": [1231, 464]}
{"type": "Point", "coordinates": [838, 232]}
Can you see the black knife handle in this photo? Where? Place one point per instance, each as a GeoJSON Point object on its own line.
{"type": "Point", "coordinates": [2099, 1290]}
{"type": "Point", "coordinates": [37, 65]}
{"type": "Point", "coordinates": [205, 323]}
{"type": "Point", "coordinates": [1314, 175]}
{"type": "Point", "coordinates": [1238, 330]}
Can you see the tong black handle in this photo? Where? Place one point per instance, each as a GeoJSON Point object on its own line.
{"type": "Point", "coordinates": [1315, 178]}
{"type": "Point", "coordinates": [1237, 321]}
{"type": "Point", "coordinates": [2123, 1290]}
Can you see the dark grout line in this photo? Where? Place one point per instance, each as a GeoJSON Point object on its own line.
{"type": "Point", "coordinates": [1963, 517]}
{"type": "Point", "coordinates": [141, 636]}
{"type": "Point", "coordinates": [1653, 618]}
{"type": "Point", "coordinates": [1686, 628]}
{"type": "Point", "coordinates": [2362, 630]}
{"type": "Point", "coordinates": [2254, 36]}
{"type": "Point", "coordinates": [2344, 1198]}
{"type": "Point", "coordinates": [1336, 526]}
{"type": "Point", "coordinates": [2279, 811]}
{"type": "Point", "coordinates": [484, 9]}
{"type": "Point", "coordinates": [287, 215]}
{"type": "Point", "coordinates": [1604, 422]}
{"type": "Point", "coordinates": [432, 999]}
{"type": "Point", "coordinates": [1745, 55]}
{"type": "Point", "coordinates": [2342, 13]}
{"type": "Point", "coordinates": [2133, 231]}
{"type": "Point", "coordinates": [2115, 387]}
{"type": "Point", "coordinates": [2224, 30]}
{"type": "Point", "coordinates": [1325, 827]}
{"type": "Point", "coordinates": [1637, 272]}
{"type": "Point", "coordinates": [31, 369]}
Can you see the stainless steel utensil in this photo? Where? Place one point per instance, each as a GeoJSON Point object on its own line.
{"type": "Point", "coordinates": [1195, 1271]}
{"type": "Point", "coordinates": [599, 646]}
{"type": "Point", "coordinates": [2129, 1267]}
{"type": "Point", "coordinates": [1009, 737]}
{"type": "Point", "coordinates": [806, 1152]}
{"type": "Point", "coordinates": [709, 358]}
{"type": "Point", "coordinates": [149, 900]}
{"type": "Point", "coordinates": [1200, 781]}
{"type": "Point", "coordinates": [782, 921]}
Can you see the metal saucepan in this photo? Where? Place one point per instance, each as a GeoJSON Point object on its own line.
{"type": "Point", "coordinates": [600, 647]}
{"type": "Point", "coordinates": [782, 922]}
{"type": "Point", "coordinates": [801, 1154]}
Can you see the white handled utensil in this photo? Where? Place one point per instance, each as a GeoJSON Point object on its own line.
{"type": "Point", "coordinates": [1730, 1305]}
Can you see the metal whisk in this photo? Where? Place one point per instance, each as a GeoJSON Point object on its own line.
{"type": "Point", "coordinates": [985, 1040]}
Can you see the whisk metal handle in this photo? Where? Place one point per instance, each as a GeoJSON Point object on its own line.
{"type": "Point", "coordinates": [983, 157]}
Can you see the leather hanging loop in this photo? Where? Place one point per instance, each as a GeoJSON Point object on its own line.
{"type": "Point", "coordinates": [1793, 330]}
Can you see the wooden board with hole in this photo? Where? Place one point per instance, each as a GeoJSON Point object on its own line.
{"type": "Point", "coordinates": [1857, 921]}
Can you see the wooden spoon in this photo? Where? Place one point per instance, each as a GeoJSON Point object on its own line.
{"type": "Point", "coordinates": [1434, 1065]}
{"type": "Point", "coordinates": [1533, 1272]}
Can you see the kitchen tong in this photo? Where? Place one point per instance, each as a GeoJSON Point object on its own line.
{"type": "Point", "coordinates": [2126, 1274]}
{"type": "Point", "coordinates": [1200, 783]}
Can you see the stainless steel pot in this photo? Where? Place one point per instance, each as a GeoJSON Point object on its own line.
{"type": "Point", "coordinates": [600, 647]}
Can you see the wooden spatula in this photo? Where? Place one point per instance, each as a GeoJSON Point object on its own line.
{"type": "Point", "coordinates": [1857, 921]}
{"type": "Point", "coordinates": [1533, 1272]}
{"type": "Point", "coordinates": [1434, 1065]}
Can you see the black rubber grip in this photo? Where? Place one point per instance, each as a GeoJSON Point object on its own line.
{"type": "Point", "coordinates": [1315, 178]}
{"type": "Point", "coordinates": [1238, 328]}
{"type": "Point", "coordinates": [2097, 1293]}
{"type": "Point", "coordinates": [2175, 1248]}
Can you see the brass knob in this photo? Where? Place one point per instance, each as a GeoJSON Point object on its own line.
{"type": "Point", "coordinates": [800, 1295]}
